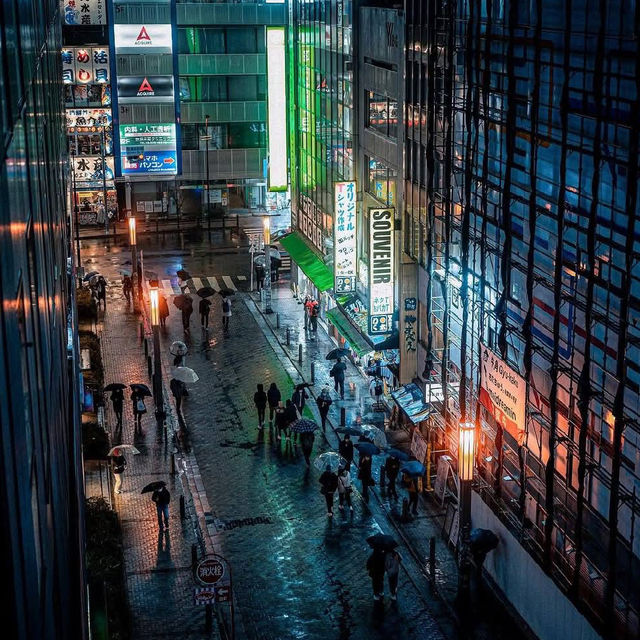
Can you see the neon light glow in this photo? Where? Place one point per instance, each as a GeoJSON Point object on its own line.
{"type": "Point", "coordinates": [276, 106]}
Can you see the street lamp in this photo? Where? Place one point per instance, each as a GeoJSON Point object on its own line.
{"type": "Point", "coordinates": [466, 456]}
{"type": "Point", "coordinates": [206, 139]}
{"type": "Point", "coordinates": [135, 282]}
{"type": "Point", "coordinates": [267, 265]}
{"type": "Point", "coordinates": [157, 364]}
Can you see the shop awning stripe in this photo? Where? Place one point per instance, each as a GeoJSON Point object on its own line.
{"type": "Point", "coordinates": [348, 331]}
{"type": "Point", "coordinates": [308, 260]}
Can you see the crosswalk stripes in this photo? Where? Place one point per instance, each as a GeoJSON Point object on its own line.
{"type": "Point", "coordinates": [172, 288]}
{"type": "Point", "coordinates": [229, 282]}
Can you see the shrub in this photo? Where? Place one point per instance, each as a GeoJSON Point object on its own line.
{"type": "Point", "coordinates": [95, 441]}
{"type": "Point", "coordinates": [95, 375]}
{"type": "Point", "coordinates": [86, 305]}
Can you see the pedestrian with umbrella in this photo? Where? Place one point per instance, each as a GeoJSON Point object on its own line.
{"type": "Point", "coordinates": [329, 483]}
{"type": "Point", "coordinates": [187, 310]}
{"type": "Point", "coordinates": [137, 401]}
{"type": "Point", "coordinates": [280, 420]}
{"type": "Point", "coordinates": [376, 569]}
{"type": "Point", "coordinates": [364, 475]}
{"type": "Point", "coordinates": [273, 398]}
{"type": "Point", "coordinates": [290, 416]}
{"type": "Point", "coordinates": [204, 307]}
{"type": "Point", "coordinates": [412, 471]}
{"type": "Point", "coordinates": [163, 310]}
{"type": "Point", "coordinates": [392, 468]}
{"type": "Point", "coordinates": [344, 488]}
{"type": "Point", "coordinates": [305, 308]}
{"type": "Point", "coordinates": [334, 354]}
{"type": "Point", "coordinates": [127, 287]}
{"type": "Point", "coordinates": [324, 402]}
{"type": "Point", "coordinates": [259, 269]}
{"type": "Point", "coordinates": [118, 465]}
{"type": "Point", "coordinates": [179, 391]}
{"type": "Point", "coordinates": [226, 311]}
{"type": "Point", "coordinates": [306, 443]}
{"type": "Point", "coordinates": [260, 400]}
{"type": "Point", "coordinates": [161, 497]}
{"type": "Point", "coordinates": [337, 373]}
{"type": "Point", "coordinates": [345, 449]}
{"type": "Point", "coordinates": [117, 400]}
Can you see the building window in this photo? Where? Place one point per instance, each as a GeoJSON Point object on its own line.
{"type": "Point", "coordinates": [233, 135]}
{"type": "Point", "coordinates": [380, 181]}
{"type": "Point", "coordinates": [382, 114]}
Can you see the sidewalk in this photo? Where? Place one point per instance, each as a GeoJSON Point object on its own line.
{"type": "Point", "coordinates": [157, 565]}
{"type": "Point", "coordinates": [490, 617]}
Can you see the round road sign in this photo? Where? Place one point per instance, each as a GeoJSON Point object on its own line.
{"type": "Point", "coordinates": [209, 570]}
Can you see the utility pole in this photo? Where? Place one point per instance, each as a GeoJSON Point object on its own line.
{"type": "Point", "coordinates": [267, 265]}
{"type": "Point", "coordinates": [206, 139]}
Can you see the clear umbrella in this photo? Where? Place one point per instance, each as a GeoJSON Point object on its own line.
{"type": "Point", "coordinates": [184, 374]}
{"type": "Point", "coordinates": [377, 436]}
{"type": "Point", "coordinates": [330, 459]}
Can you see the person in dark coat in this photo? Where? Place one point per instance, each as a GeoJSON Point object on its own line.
{"type": "Point", "coordinates": [299, 398]}
{"type": "Point", "coordinates": [163, 311]}
{"type": "Point", "coordinates": [412, 488]}
{"type": "Point", "coordinates": [178, 361]}
{"type": "Point", "coordinates": [313, 316]}
{"type": "Point", "coordinates": [127, 287]}
{"type": "Point", "coordinates": [392, 467]}
{"type": "Point", "coordinates": [337, 373]}
{"type": "Point", "coordinates": [273, 397]}
{"type": "Point", "coordinates": [290, 414]}
{"type": "Point", "coordinates": [345, 449]}
{"type": "Point", "coordinates": [376, 568]}
{"type": "Point", "coordinates": [161, 497]}
{"type": "Point", "coordinates": [259, 269]}
{"type": "Point", "coordinates": [324, 402]}
{"type": "Point", "coordinates": [280, 420]}
{"type": "Point", "coordinates": [139, 408]}
{"type": "Point", "coordinates": [117, 399]}
{"type": "Point", "coordinates": [364, 474]}
{"type": "Point", "coordinates": [101, 287]}
{"type": "Point", "coordinates": [178, 389]}
{"type": "Point", "coordinates": [187, 310]}
{"type": "Point", "coordinates": [329, 483]}
{"type": "Point", "coordinates": [306, 442]}
{"type": "Point", "coordinates": [203, 308]}
{"type": "Point", "coordinates": [260, 400]}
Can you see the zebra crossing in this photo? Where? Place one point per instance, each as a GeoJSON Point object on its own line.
{"type": "Point", "coordinates": [172, 286]}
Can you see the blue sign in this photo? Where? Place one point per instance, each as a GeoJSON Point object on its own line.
{"type": "Point", "coordinates": [151, 162]}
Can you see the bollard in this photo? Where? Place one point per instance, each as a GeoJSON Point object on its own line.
{"type": "Point", "coordinates": [343, 416]}
{"type": "Point", "coordinates": [146, 347]}
{"type": "Point", "coordinates": [288, 337]}
{"type": "Point", "coordinates": [149, 366]}
{"type": "Point", "coordinates": [432, 559]}
{"type": "Point", "coordinates": [194, 554]}
{"type": "Point", "coordinates": [277, 320]}
{"type": "Point", "coordinates": [300, 353]}
{"type": "Point", "coordinates": [173, 464]}
{"type": "Point", "coordinates": [313, 372]}
{"type": "Point", "coordinates": [183, 513]}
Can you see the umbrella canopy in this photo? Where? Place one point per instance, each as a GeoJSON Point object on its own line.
{"type": "Point", "coordinates": [375, 435]}
{"type": "Point", "coordinates": [182, 300]}
{"type": "Point", "coordinates": [334, 354]}
{"type": "Point", "coordinates": [178, 348]}
{"type": "Point", "coordinates": [183, 275]}
{"type": "Point", "coordinates": [367, 448]}
{"type": "Point", "coordinates": [382, 541]}
{"type": "Point", "coordinates": [413, 469]}
{"type": "Point", "coordinates": [349, 431]}
{"type": "Point", "coordinates": [153, 486]}
{"type": "Point", "coordinates": [90, 275]}
{"type": "Point", "coordinates": [206, 292]}
{"type": "Point", "coordinates": [225, 293]}
{"type": "Point", "coordinates": [330, 459]}
{"type": "Point", "coordinates": [125, 272]}
{"type": "Point", "coordinates": [303, 385]}
{"type": "Point", "coordinates": [121, 448]}
{"type": "Point", "coordinates": [141, 388]}
{"type": "Point", "coordinates": [93, 279]}
{"type": "Point", "coordinates": [303, 425]}
{"type": "Point", "coordinates": [115, 386]}
{"type": "Point", "coordinates": [184, 374]}
{"type": "Point", "coordinates": [275, 254]}
{"type": "Point", "coordinates": [396, 453]}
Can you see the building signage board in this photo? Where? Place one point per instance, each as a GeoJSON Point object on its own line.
{"type": "Point", "coordinates": [88, 169]}
{"type": "Point", "coordinates": [381, 270]}
{"type": "Point", "coordinates": [142, 38]}
{"type": "Point", "coordinates": [141, 89]}
{"type": "Point", "coordinates": [87, 120]}
{"type": "Point", "coordinates": [148, 135]}
{"type": "Point", "coordinates": [84, 12]}
{"type": "Point", "coordinates": [418, 446]}
{"type": "Point", "coordinates": [310, 217]}
{"type": "Point", "coordinates": [344, 238]}
{"type": "Point", "coordinates": [276, 109]}
{"type": "Point", "coordinates": [165, 162]}
{"type": "Point", "coordinates": [85, 65]}
{"type": "Point", "coordinates": [503, 393]}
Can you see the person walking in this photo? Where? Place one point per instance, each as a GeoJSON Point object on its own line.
{"type": "Point", "coordinates": [187, 310]}
{"type": "Point", "coordinates": [163, 311]}
{"type": "Point", "coordinates": [178, 360]}
{"type": "Point", "coordinates": [226, 312]}
{"type": "Point", "coordinates": [305, 309]}
{"type": "Point", "coordinates": [203, 308]}
{"type": "Point", "coordinates": [290, 416]}
{"type": "Point", "coordinates": [324, 402]}
{"type": "Point", "coordinates": [101, 287]}
{"type": "Point", "coordinates": [178, 389]}
{"type": "Point", "coordinates": [117, 400]}
{"type": "Point", "coordinates": [280, 420]}
{"type": "Point", "coordinates": [139, 408]}
{"type": "Point", "coordinates": [259, 269]}
{"type": "Point", "coordinates": [364, 474]}
{"type": "Point", "coordinates": [329, 483]}
{"type": "Point", "coordinates": [337, 373]}
{"type": "Point", "coordinates": [376, 568]}
{"type": "Point", "coordinates": [273, 397]}
{"type": "Point", "coordinates": [345, 449]}
{"type": "Point", "coordinates": [344, 488]}
{"type": "Point", "coordinates": [299, 398]}
{"type": "Point", "coordinates": [127, 288]}
{"type": "Point", "coordinates": [260, 400]}
{"type": "Point", "coordinates": [306, 442]}
{"type": "Point", "coordinates": [392, 467]}
{"type": "Point", "coordinates": [314, 312]}
{"type": "Point", "coordinates": [392, 563]}
{"type": "Point", "coordinates": [118, 465]}
{"type": "Point", "coordinates": [162, 498]}
{"type": "Point", "coordinates": [412, 489]}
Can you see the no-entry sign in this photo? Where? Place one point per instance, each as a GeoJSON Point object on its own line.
{"type": "Point", "coordinates": [209, 571]}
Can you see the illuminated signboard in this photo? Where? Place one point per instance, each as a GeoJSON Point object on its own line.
{"type": "Point", "coordinates": [88, 169]}
{"type": "Point", "coordinates": [381, 270]}
{"type": "Point", "coordinates": [344, 238]}
{"type": "Point", "coordinates": [148, 148]}
{"type": "Point", "coordinates": [87, 120]}
{"type": "Point", "coordinates": [147, 135]}
{"type": "Point", "coordinates": [139, 89]}
{"type": "Point", "coordinates": [151, 162]}
{"type": "Point", "coordinates": [84, 12]}
{"type": "Point", "coordinates": [276, 109]}
{"type": "Point", "coordinates": [142, 38]}
{"type": "Point", "coordinates": [85, 65]}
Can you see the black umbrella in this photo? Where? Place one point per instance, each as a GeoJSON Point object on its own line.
{"type": "Point", "coordinates": [367, 448]}
{"type": "Point", "coordinates": [334, 354]}
{"type": "Point", "coordinates": [183, 275]}
{"type": "Point", "coordinates": [349, 431]}
{"type": "Point", "coordinates": [206, 292]}
{"type": "Point", "coordinates": [153, 486]}
{"type": "Point", "coordinates": [303, 385]}
{"type": "Point", "coordinates": [302, 425]}
{"type": "Point", "coordinates": [226, 292]}
{"type": "Point", "coordinates": [115, 386]}
{"type": "Point", "coordinates": [90, 275]}
{"type": "Point", "coordinates": [182, 300]}
{"type": "Point", "coordinates": [382, 541]}
{"type": "Point", "coordinates": [141, 388]}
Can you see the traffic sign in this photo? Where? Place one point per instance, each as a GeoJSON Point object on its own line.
{"type": "Point", "coordinates": [209, 570]}
{"type": "Point", "coordinates": [204, 595]}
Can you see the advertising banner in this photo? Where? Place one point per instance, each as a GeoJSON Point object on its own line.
{"type": "Point", "coordinates": [344, 238]}
{"type": "Point", "coordinates": [84, 12]}
{"type": "Point", "coordinates": [151, 162]}
{"type": "Point", "coordinates": [503, 393]}
{"type": "Point", "coordinates": [148, 135]}
{"type": "Point", "coordinates": [142, 38]}
{"type": "Point", "coordinates": [137, 89]}
{"type": "Point", "coordinates": [89, 169]}
{"type": "Point", "coordinates": [87, 120]}
{"type": "Point", "coordinates": [85, 65]}
{"type": "Point", "coordinates": [381, 271]}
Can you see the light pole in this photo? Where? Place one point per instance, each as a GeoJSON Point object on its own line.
{"type": "Point", "coordinates": [267, 265]}
{"type": "Point", "coordinates": [466, 455]}
{"type": "Point", "coordinates": [157, 364]}
{"type": "Point", "coordinates": [206, 139]}
{"type": "Point", "coordinates": [135, 281]}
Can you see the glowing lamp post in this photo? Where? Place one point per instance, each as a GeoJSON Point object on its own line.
{"type": "Point", "coordinates": [157, 364]}
{"type": "Point", "coordinates": [135, 282]}
{"type": "Point", "coordinates": [466, 456]}
{"type": "Point", "coordinates": [267, 265]}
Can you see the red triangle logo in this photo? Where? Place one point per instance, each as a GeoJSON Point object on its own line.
{"type": "Point", "coordinates": [143, 35]}
{"type": "Point", "coordinates": [145, 86]}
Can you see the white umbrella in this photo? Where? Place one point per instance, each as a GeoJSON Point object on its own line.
{"type": "Point", "coordinates": [377, 436]}
{"type": "Point", "coordinates": [185, 374]}
{"type": "Point", "coordinates": [124, 447]}
{"type": "Point", "coordinates": [178, 348]}
{"type": "Point", "coordinates": [332, 459]}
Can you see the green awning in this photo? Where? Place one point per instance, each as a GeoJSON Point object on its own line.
{"type": "Point", "coordinates": [308, 260]}
{"type": "Point", "coordinates": [349, 332]}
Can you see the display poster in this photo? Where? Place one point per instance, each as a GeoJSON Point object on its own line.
{"type": "Point", "coordinates": [344, 238]}
{"type": "Point", "coordinates": [87, 120]}
{"type": "Point", "coordinates": [85, 65]}
{"type": "Point", "coordinates": [381, 270]}
{"type": "Point", "coordinates": [88, 169]}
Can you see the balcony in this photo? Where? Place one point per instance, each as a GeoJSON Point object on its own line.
{"type": "Point", "coordinates": [223, 64]}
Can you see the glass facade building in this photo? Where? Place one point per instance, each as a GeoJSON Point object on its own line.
{"type": "Point", "coordinates": [521, 211]}
{"type": "Point", "coordinates": [41, 537]}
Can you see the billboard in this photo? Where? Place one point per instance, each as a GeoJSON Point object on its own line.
{"type": "Point", "coordinates": [85, 65]}
{"type": "Point", "coordinates": [503, 393]}
{"type": "Point", "coordinates": [87, 120]}
{"type": "Point", "coordinates": [276, 109]}
{"type": "Point", "coordinates": [165, 162]}
{"type": "Point", "coordinates": [88, 169]}
{"type": "Point", "coordinates": [148, 135]}
{"type": "Point", "coordinates": [148, 148]}
{"type": "Point", "coordinates": [381, 270]}
{"type": "Point", "coordinates": [140, 89]}
{"type": "Point", "coordinates": [84, 12]}
{"type": "Point", "coordinates": [344, 238]}
{"type": "Point", "coordinates": [142, 38]}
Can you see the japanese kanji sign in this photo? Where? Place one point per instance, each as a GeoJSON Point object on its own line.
{"type": "Point", "coordinates": [344, 237]}
{"type": "Point", "coordinates": [84, 12]}
{"type": "Point", "coordinates": [381, 270]}
{"type": "Point", "coordinates": [90, 169]}
{"type": "Point", "coordinates": [85, 65]}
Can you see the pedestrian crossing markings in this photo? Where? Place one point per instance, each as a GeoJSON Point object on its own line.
{"type": "Point", "coordinates": [217, 283]}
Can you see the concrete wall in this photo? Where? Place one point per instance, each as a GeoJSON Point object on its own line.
{"type": "Point", "coordinates": [538, 600]}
